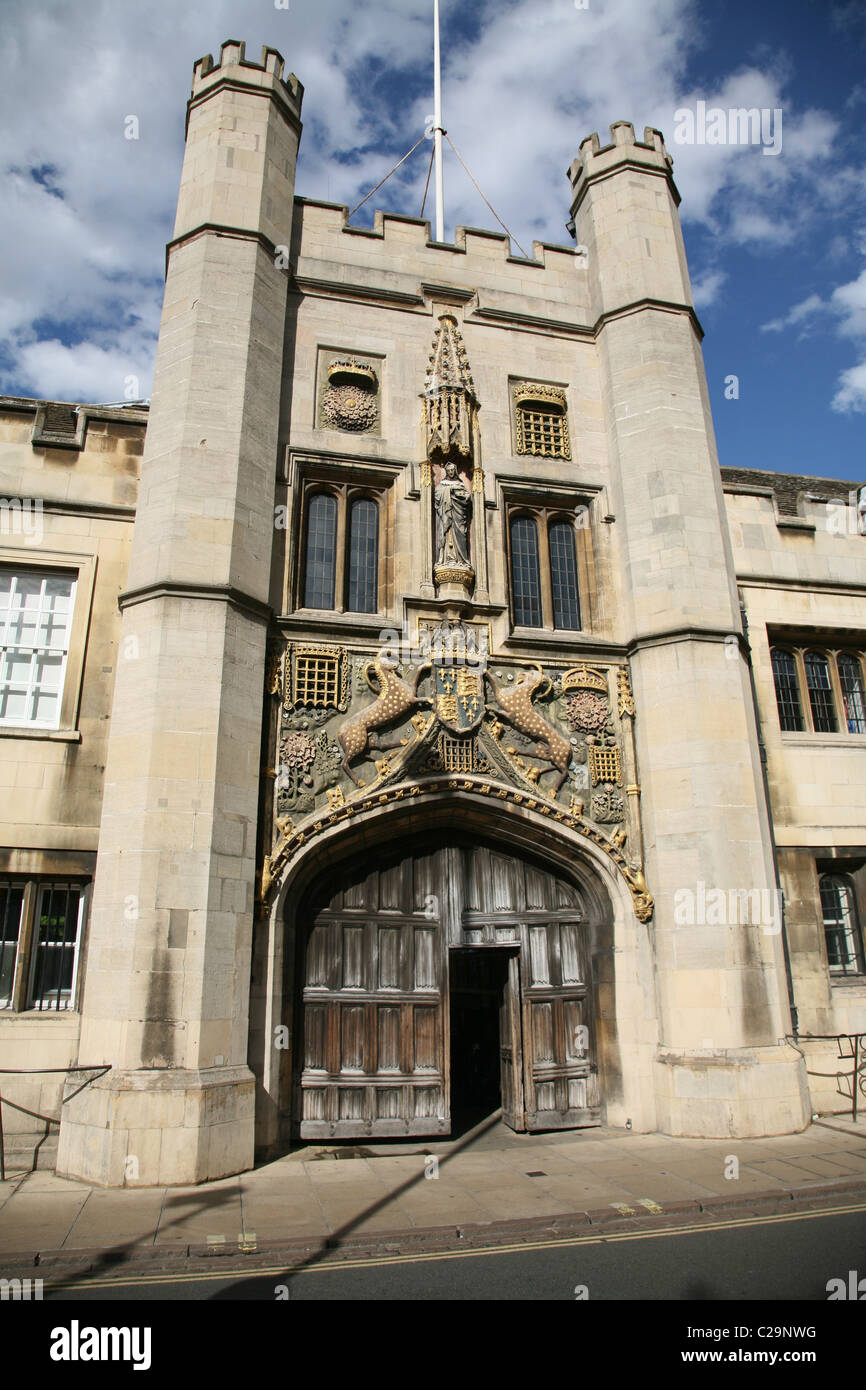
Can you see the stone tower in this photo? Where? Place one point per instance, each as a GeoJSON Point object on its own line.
{"type": "Point", "coordinates": [722, 1005]}
{"type": "Point", "coordinates": [166, 998]}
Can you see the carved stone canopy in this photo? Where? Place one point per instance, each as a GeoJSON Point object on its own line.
{"type": "Point", "coordinates": [449, 394]}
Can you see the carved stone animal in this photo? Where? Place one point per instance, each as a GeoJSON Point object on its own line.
{"type": "Point", "coordinates": [395, 698]}
{"type": "Point", "coordinates": [513, 705]}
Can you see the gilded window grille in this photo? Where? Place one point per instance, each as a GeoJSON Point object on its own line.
{"type": "Point", "coordinates": [457, 754]}
{"type": "Point", "coordinates": [319, 677]}
{"type": "Point", "coordinates": [541, 422]}
{"type": "Point", "coordinates": [605, 765]}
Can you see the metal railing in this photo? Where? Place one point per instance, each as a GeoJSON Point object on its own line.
{"type": "Point", "coordinates": [851, 1047]}
{"type": "Point", "coordinates": [49, 1120]}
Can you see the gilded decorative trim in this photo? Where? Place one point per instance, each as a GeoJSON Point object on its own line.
{"type": "Point", "coordinates": [274, 671]}
{"type": "Point", "coordinates": [545, 395]}
{"type": "Point", "coordinates": [373, 797]}
{"type": "Point", "coordinates": [624, 692]}
{"type": "Point", "coordinates": [584, 677]}
{"type": "Point", "coordinates": [354, 370]}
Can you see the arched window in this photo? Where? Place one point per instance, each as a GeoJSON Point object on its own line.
{"type": "Point", "coordinates": [363, 556]}
{"type": "Point", "coordinates": [321, 554]}
{"type": "Point", "coordinates": [787, 690]}
{"type": "Point", "coordinates": [851, 682]}
{"type": "Point", "coordinates": [841, 928]}
{"type": "Point", "coordinates": [563, 575]}
{"type": "Point", "coordinates": [525, 575]}
{"type": "Point", "coordinates": [820, 693]}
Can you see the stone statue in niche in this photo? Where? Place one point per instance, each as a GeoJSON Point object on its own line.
{"type": "Point", "coordinates": [453, 502]}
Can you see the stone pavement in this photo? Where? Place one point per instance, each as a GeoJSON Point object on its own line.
{"type": "Point", "coordinates": [489, 1175]}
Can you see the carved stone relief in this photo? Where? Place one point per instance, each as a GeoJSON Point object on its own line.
{"type": "Point", "coordinates": [384, 726]}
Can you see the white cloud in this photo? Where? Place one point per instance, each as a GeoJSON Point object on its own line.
{"type": "Point", "coordinates": [849, 301]}
{"type": "Point", "coordinates": [807, 309]}
{"type": "Point", "coordinates": [845, 309]}
{"type": "Point", "coordinates": [705, 287]}
{"type": "Point", "coordinates": [851, 395]}
{"type": "Point", "coordinates": [112, 371]}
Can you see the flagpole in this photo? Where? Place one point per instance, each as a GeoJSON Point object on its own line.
{"type": "Point", "coordinates": [437, 133]}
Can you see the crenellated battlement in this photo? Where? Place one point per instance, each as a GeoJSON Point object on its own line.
{"type": "Point", "coordinates": [268, 72]}
{"type": "Point", "coordinates": [415, 232]}
{"type": "Point", "coordinates": [595, 160]}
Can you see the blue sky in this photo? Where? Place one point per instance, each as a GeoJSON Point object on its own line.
{"type": "Point", "coordinates": [776, 244]}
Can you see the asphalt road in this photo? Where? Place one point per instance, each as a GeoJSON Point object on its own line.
{"type": "Point", "coordinates": [769, 1258]}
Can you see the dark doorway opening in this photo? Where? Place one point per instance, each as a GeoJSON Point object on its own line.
{"type": "Point", "coordinates": [479, 981]}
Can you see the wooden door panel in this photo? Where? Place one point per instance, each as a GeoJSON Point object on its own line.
{"type": "Point", "coordinates": [560, 1074]}
{"type": "Point", "coordinates": [388, 1059]}
{"type": "Point", "coordinates": [372, 966]}
{"type": "Point", "coordinates": [511, 1049]}
{"type": "Point", "coordinates": [425, 958]}
{"type": "Point", "coordinates": [372, 1007]}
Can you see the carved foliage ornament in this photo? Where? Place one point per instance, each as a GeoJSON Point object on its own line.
{"type": "Point", "coordinates": [625, 697]}
{"type": "Point", "coordinates": [587, 712]}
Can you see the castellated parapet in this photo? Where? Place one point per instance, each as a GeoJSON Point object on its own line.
{"type": "Point", "coordinates": [396, 256]}
{"type": "Point", "coordinates": [624, 206]}
{"type": "Point", "coordinates": [243, 126]}
{"type": "Point", "coordinates": [266, 74]}
{"type": "Point", "coordinates": [594, 160]}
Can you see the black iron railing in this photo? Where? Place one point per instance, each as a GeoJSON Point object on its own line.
{"type": "Point", "coordinates": [49, 1120]}
{"type": "Point", "coordinates": [851, 1047]}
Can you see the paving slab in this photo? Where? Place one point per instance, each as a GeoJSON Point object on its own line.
{"type": "Point", "coordinates": [347, 1218]}
{"type": "Point", "coordinates": [666, 1187]}
{"type": "Point", "coordinates": [551, 1162]}
{"type": "Point", "coordinates": [510, 1203]}
{"type": "Point", "coordinates": [30, 1224]}
{"type": "Point", "coordinates": [582, 1195]}
{"type": "Point", "coordinates": [186, 1220]}
{"type": "Point", "coordinates": [356, 1170]}
{"type": "Point", "coordinates": [443, 1209]}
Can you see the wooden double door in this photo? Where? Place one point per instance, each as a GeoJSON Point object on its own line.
{"type": "Point", "coordinates": [441, 979]}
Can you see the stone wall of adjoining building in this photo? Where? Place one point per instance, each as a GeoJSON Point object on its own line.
{"type": "Point", "coordinates": [799, 557]}
{"type": "Point", "coordinates": [68, 491]}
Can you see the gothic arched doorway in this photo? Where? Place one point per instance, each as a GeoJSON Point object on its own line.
{"type": "Point", "coordinates": [410, 973]}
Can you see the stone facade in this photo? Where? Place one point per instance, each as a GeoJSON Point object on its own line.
{"type": "Point", "coordinates": [307, 636]}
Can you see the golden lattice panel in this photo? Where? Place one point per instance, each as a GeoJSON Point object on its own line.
{"type": "Point", "coordinates": [605, 765]}
{"type": "Point", "coordinates": [316, 679]}
{"type": "Point", "coordinates": [457, 754]}
{"type": "Point", "coordinates": [542, 432]}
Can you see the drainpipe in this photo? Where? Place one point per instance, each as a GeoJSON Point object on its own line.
{"type": "Point", "coordinates": [795, 1023]}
